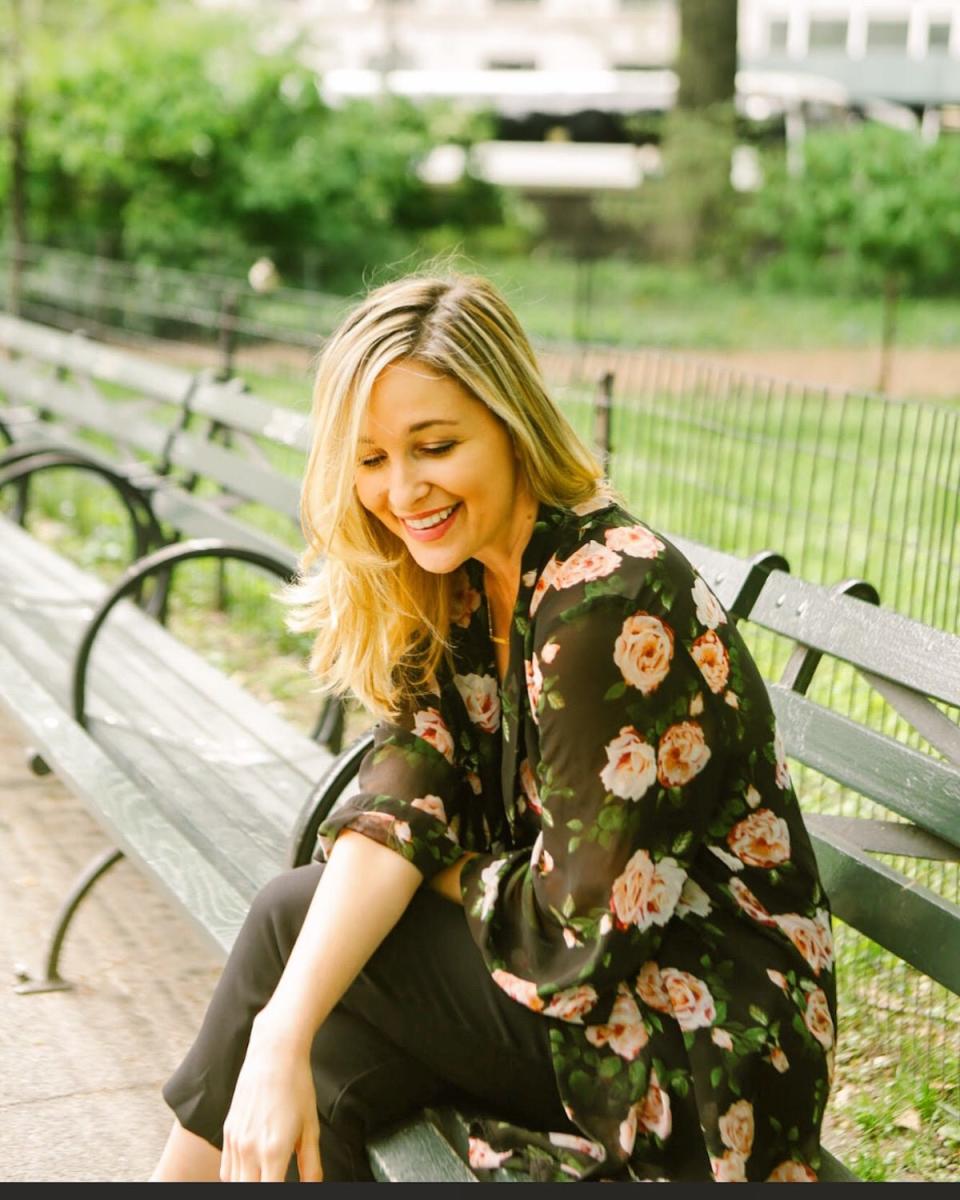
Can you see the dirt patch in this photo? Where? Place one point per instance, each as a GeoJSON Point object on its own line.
{"type": "Point", "coordinates": [918, 372]}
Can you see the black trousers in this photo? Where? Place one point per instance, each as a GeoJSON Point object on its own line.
{"type": "Point", "coordinates": [423, 1023]}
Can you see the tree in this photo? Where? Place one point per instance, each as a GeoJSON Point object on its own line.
{"type": "Point", "coordinates": [17, 123]}
{"type": "Point", "coordinates": [684, 214]}
{"type": "Point", "coordinates": [699, 132]}
{"type": "Point", "coordinates": [166, 136]}
{"type": "Point", "coordinates": [875, 211]}
{"type": "Point", "coordinates": [33, 27]}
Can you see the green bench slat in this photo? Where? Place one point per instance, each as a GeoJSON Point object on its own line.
{"type": "Point", "coordinates": [222, 810]}
{"type": "Point", "coordinates": [32, 568]}
{"type": "Point", "coordinates": [883, 837]}
{"type": "Point", "coordinates": [873, 639]}
{"type": "Point", "coordinates": [198, 517]}
{"type": "Point", "coordinates": [238, 475]}
{"type": "Point", "coordinates": [236, 409]}
{"type": "Point", "coordinates": [432, 1148]}
{"type": "Point", "coordinates": [416, 1151]}
{"type": "Point", "coordinates": [909, 783]}
{"type": "Point", "coordinates": [900, 914]}
{"type": "Point", "coordinates": [109, 418]}
{"type": "Point", "coordinates": [128, 816]}
{"type": "Point", "coordinates": [160, 381]}
{"type": "Point", "coordinates": [222, 768]}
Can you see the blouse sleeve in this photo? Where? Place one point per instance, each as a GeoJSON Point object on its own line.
{"type": "Point", "coordinates": [630, 756]}
{"type": "Point", "coordinates": [410, 792]}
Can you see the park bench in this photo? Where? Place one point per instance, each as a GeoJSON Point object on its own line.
{"type": "Point", "coordinates": [166, 431]}
{"type": "Point", "coordinates": [133, 753]}
{"type": "Point", "coordinates": [188, 456]}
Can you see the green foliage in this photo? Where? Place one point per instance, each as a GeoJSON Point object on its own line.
{"type": "Point", "coordinates": [163, 135]}
{"type": "Point", "coordinates": [874, 208]}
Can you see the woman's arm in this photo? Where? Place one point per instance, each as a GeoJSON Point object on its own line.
{"type": "Point", "coordinates": [447, 881]}
{"type": "Point", "coordinates": [364, 891]}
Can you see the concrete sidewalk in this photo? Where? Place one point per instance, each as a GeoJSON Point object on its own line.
{"type": "Point", "coordinates": [82, 1070]}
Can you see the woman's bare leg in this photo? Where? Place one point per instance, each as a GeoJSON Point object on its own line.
{"type": "Point", "coordinates": [187, 1158]}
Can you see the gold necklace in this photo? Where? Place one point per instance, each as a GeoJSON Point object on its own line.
{"type": "Point", "coordinates": [499, 641]}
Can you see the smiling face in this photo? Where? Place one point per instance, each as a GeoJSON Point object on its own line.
{"type": "Point", "coordinates": [438, 468]}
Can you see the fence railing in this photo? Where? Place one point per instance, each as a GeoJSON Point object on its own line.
{"type": "Point", "coordinates": [60, 287]}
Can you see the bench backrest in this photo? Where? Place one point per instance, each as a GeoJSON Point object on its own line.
{"type": "Point", "coordinates": [63, 376]}
{"type": "Point", "coordinates": [250, 449]}
{"type": "Point", "coordinates": [735, 581]}
{"type": "Point", "coordinates": [896, 747]}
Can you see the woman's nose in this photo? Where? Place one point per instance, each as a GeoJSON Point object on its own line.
{"type": "Point", "coordinates": [407, 488]}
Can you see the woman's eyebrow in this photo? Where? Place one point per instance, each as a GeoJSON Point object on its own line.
{"type": "Point", "coordinates": [417, 427]}
{"type": "Point", "coordinates": [434, 421]}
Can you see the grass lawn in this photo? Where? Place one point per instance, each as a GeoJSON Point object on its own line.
{"type": "Point", "coordinates": [626, 302]}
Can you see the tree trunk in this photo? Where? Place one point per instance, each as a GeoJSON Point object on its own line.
{"type": "Point", "coordinates": [707, 62]}
{"type": "Point", "coordinates": [891, 298]}
{"type": "Point", "coordinates": [698, 134]}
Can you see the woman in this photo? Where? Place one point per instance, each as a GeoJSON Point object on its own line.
{"type": "Point", "coordinates": [577, 748]}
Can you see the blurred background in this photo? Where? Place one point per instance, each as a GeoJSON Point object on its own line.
{"type": "Point", "coordinates": [773, 181]}
{"type": "Point", "coordinates": [733, 230]}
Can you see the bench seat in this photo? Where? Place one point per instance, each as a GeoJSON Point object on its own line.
{"type": "Point", "coordinates": [215, 768]}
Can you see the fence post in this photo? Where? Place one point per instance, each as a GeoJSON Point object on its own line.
{"type": "Point", "coordinates": [602, 408]}
{"type": "Point", "coordinates": [227, 340]}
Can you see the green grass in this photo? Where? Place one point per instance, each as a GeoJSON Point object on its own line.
{"type": "Point", "coordinates": [889, 1121]}
{"type": "Point", "coordinates": [626, 302]}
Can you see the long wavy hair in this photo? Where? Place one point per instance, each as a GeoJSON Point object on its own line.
{"type": "Point", "coordinates": [381, 621]}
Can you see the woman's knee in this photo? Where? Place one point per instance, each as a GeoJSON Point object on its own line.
{"type": "Point", "coordinates": [279, 908]}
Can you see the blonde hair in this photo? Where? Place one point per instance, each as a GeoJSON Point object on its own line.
{"type": "Point", "coordinates": [381, 620]}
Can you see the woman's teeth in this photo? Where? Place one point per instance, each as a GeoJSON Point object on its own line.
{"type": "Point", "coordinates": [429, 522]}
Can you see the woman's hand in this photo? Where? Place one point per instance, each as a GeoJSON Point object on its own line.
{"type": "Point", "coordinates": [273, 1114]}
{"type": "Point", "coordinates": [274, 1109]}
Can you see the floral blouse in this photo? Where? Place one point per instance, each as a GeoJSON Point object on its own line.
{"type": "Point", "coordinates": [644, 880]}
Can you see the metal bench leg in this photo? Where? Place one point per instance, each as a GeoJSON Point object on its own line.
{"type": "Point", "coordinates": [329, 727]}
{"type": "Point", "coordinates": [37, 763]}
{"type": "Point", "coordinates": [51, 981]}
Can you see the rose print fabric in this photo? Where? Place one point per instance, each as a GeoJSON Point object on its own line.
{"type": "Point", "coordinates": [644, 880]}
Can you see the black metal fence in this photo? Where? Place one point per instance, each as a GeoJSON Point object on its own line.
{"type": "Point", "coordinates": [60, 287]}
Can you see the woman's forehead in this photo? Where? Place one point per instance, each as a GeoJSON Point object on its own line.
{"type": "Point", "coordinates": [409, 395]}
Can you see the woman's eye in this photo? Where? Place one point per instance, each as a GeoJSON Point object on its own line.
{"type": "Point", "coordinates": [439, 448]}
{"type": "Point", "coordinates": [372, 460]}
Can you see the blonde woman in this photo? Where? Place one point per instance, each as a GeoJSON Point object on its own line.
{"type": "Point", "coordinates": [574, 892]}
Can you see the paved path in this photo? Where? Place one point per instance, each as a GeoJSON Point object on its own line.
{"type": "Point", "coordinates": [82, 1070]}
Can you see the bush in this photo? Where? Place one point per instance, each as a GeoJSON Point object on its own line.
{"type": "Point", "coordinates": [166, 137]}
{"type": "Point", "coordinates": [875, 209]}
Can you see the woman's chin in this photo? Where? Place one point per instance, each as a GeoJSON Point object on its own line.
{"type": "Point", "coordinates": [440, 562]}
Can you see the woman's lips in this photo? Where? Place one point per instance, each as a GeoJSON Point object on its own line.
{"type": "Point", "coordinates": [435, 531]}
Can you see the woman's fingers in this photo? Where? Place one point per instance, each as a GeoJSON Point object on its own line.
{"type": "Point", "coordinates": [256, 1162]}
{"type": "Point", "coordinates": [226, 1160]}
{"type": "Point", "coordinates": [309, 1164]}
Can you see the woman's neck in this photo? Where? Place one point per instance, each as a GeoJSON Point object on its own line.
{"type": "Point", "coordinates": [501, 572]}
